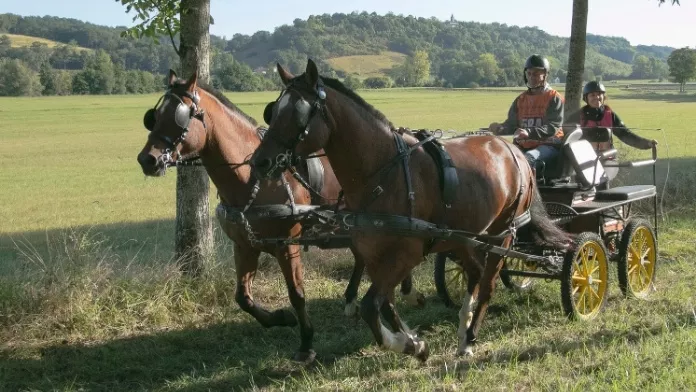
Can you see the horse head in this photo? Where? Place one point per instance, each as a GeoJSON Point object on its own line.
{"type": "Point", "coordinates": [297, 122]}
{"type": "Point", "coordinates": [176, 126]}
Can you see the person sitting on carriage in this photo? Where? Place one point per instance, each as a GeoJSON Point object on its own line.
{"type": "Point", "coordinates": [597, 114]}
{"type": "Point", "coordinates": [535, 117]}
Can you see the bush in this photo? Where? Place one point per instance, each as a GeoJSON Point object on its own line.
{"type": "Point", "coordinates": [378, 82]}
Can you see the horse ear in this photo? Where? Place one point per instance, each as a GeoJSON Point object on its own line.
{"type": "Point", "coordinates": [312, 73]}
{"type": "Point", "coordinates": [285, 76]}
{"type": "Point", "coordinates": [171, 78]}
{"type": "Point", "coordinates": [193, 80]}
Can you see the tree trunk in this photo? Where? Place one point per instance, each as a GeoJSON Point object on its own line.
{"type": "Point", "coordinates": [576, 59]}
{"type": "Point", "coordinates": [194, 235]}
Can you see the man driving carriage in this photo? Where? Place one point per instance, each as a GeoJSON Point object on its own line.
{"type": "Point", "coordinates": [535, 117]}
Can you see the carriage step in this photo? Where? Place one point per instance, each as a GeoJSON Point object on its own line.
{"type": "Point", "coordinates": [625, 193]}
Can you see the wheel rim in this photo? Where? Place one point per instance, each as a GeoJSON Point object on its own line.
{"type": "Point", "coordinates": [641, 259]}
{"type": "Point", "coordinates": [589, 279]}
{"type": "Point", "coordinates": [455, 281]}
{"type": "Point", "coordinates": [520, 265]}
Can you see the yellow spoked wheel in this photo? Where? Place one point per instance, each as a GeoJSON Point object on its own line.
{"type": "Point", "coordinates": [450, 280]}
{"type": "Point", "coordinates": [637, 259]}
{"type": "Point", "coordinates": [518, 283]}
{"type": "Point", "coordinates": [584, 281]}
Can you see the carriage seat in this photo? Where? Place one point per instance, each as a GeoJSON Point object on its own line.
{"type": "Point", "coordinates": [601, 139]}
{"type": "Point", "coordinates": [589, 171]}
{"type": "Point", "coordinates": [568, 166]}
{"type": "Point", "coordinates": [562, 170]}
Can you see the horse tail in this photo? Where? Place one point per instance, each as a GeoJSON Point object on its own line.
{"type": "Point", "coordinates": [544, 230]}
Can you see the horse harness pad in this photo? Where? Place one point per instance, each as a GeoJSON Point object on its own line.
{"type": "Point", "coordinates": [447, 172]}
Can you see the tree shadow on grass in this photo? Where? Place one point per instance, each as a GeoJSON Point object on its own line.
{"type": "Point", "coordinates": [225, 356]}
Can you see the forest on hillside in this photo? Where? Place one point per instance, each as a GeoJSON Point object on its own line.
{"type": "Point", "coordinates": [92, 59]}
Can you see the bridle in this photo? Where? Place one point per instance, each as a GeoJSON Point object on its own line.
{"type": "Point", "coordinates": [183, 115]}
{"type": "Point", "coordinates": [305, 114]}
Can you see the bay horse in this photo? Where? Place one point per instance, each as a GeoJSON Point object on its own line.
{"type": "Point", "coordinates": [381, 174]}
{"type": "Point", "coordinates": [196, 121]}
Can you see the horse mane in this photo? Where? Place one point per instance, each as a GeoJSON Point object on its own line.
{"type": "Point", "coordinates": [340, 87]}
{"type": "Point", "coordinates": [223, 99]}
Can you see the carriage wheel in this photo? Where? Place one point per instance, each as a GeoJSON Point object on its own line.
{"type": "Point", "coordinates": [518, 283]}
{"type": "Point", "coordinates": [637, 259]}
{"type": "Point", "coordinates": [450, 280]}
{"type": "Point", "coordinates": [584, 280]}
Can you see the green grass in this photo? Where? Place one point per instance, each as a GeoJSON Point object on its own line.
{"type": "Point", "coordinates": [90, 298]}
{"type": "Point", "coordinates": [20, 41]}
{"type": "Point", "coordinates": [365, 66]}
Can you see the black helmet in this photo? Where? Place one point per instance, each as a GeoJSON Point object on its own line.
{"type": "Point", "coordinates": [536, 61]}
{"type": "Point", "coordinates": [592, 87]}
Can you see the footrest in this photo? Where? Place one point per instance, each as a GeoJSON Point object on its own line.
{"type": "Point", "coordinates": [629, 192]}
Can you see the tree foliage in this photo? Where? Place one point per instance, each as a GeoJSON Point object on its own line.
{"type": "Point", "coordinates": [682, 66]}
{"type": "Point", "coordinates": [459, 54]}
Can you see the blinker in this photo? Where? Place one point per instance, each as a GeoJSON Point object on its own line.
{"type": "Point", "coordinates": [149, 120]}
{"type": "Point", "coordinates": [304, 110]}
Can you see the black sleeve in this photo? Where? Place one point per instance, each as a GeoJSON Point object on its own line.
{"type": "Point", "coordinates": [625, 135]}
{"type": "Point", "coordinates": [510, 124]}
{"type": "Point", "coordinates": [553, 120]}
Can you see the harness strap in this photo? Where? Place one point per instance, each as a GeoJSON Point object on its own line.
{"type": "Point", "coordinates": [401, 148]}
{"type": "Point", "coordinates": [526, 216]}
{"type": "Point", "coordinates": [403, 155]}
{"type": "Point", "coordinates": [286, 184]}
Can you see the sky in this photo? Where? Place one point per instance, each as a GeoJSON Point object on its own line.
{"type": "Point", "coordinates": [642, 22]}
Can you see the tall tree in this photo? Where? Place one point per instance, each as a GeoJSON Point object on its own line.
{"type": "Point", "coordinates": [682, 66]}
{"type": "Point", "coordinates": [193, 238]}
{"type": "Point", "coordinates": [576, 58]}
{"type": "Point", "coordinates": [576, 55]}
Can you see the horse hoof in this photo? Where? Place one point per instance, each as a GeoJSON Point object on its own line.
{"type": "Point", "coordinates": [305, 357]}
{"type": "Point", "coordinates": [420, 300]}
{"type": "Point", "coordinates": [351, 310]}
{"type": "Point", "coordinates": [422, 351]}
{"type": "Point", "coordinates": [415, 299]}
{"type": "Point", "coordinates": [465, 352]}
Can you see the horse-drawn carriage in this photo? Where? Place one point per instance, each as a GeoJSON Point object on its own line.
{"type": "Point", "coordinates": [482, 186]}
{"type": "Point", "coordinates": [578, 197]}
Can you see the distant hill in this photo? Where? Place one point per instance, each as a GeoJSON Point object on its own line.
{"type": "Point", "coordinates": [23, 41]}
{"type": "Point", "coordinates": [365, 44]}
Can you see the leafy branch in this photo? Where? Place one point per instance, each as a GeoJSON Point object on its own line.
{"type": "Point", "coordinates": [157, 17]}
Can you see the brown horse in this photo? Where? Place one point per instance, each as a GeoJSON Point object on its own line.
{"type": "Point", "coordinates": [194, 120]}
{"type": "Point", "coordinates": [496, 186]}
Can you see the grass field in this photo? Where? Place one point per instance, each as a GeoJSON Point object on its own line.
{"type": "Point", "coordinates": [20, 41]}
{"type": "Point", "coordinates": [91, 300]}
{"type": "Point", "coordinates": [365, 66]}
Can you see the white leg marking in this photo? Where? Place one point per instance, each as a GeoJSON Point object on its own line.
{"type": "Point", "coordinates": [393, 341]}
{"type": "Point", "coordinates": [351, 308]}
{"type": "Point", "coordinates": [465, 317]}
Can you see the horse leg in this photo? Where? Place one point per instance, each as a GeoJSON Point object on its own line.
{"type": "Point", "coordinates": [351, 294]}
{"type": "Point", "coordinates": [412, 345]}
{"type": "Point", "coordinates": [408, 294]}
{"type": "Point", "coordinates": [412, 297]}
{"type": "Point", "coordinates": [492, 268]}
{"type": "Point", "coordinates": [385, 276]}
{"type": "Point", "coordinates": [291, 265]}
{"type": "Point", "coordinates": [473, 268]}
{"type": "Point", "coordinates": [246, 261]}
